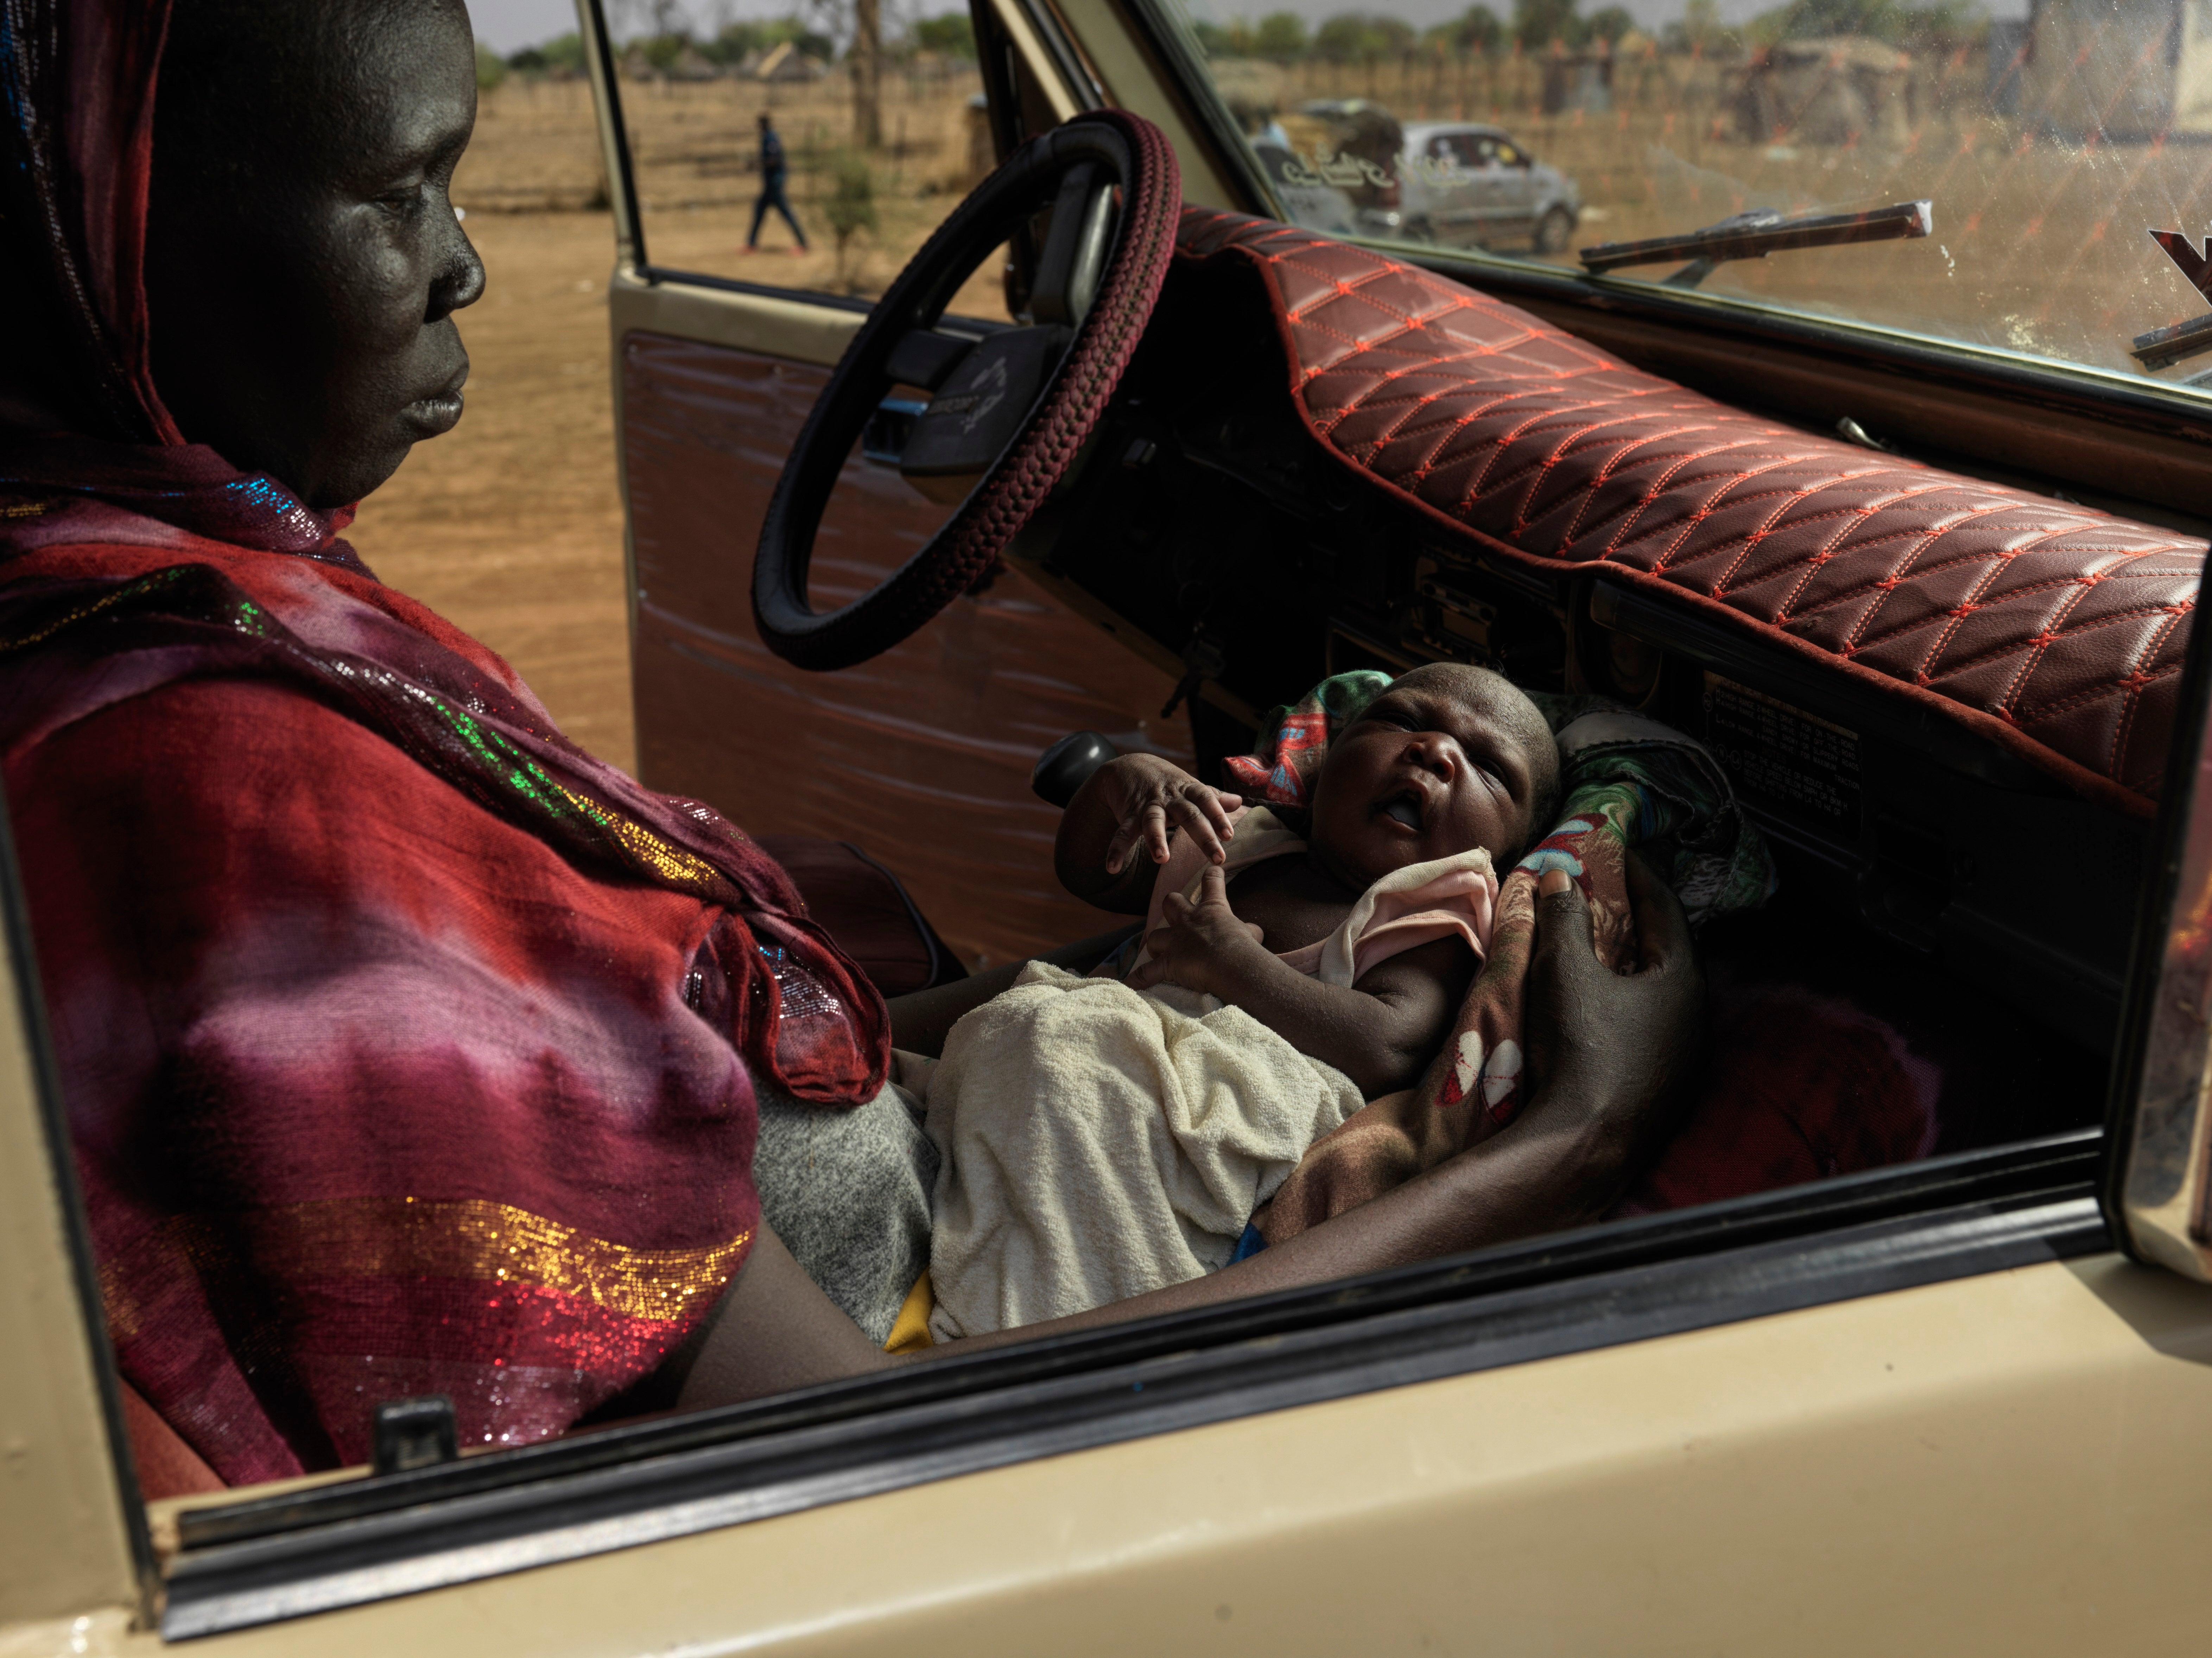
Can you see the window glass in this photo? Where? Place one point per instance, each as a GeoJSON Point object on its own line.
{"type": "Point", "coordinates": [2049, 143]}
{"type": "Point", "coordinates": [863, 180]}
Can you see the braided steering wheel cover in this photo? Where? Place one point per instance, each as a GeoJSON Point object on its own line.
{"type": "Point", "coordinates": [968, 543]}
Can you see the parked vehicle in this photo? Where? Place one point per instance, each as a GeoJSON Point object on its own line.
{"type": "Point", "coordinates": [1475, 186]}
{"type": "Point", "coordinates": [1305, 192]}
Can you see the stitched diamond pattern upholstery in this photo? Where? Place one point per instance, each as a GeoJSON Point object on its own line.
{"type": "Point", "coordinates": [2065, 626]}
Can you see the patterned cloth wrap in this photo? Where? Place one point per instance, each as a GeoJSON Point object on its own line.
{"type": "Point", "coordinates": [406, 1049]}
{"type": "Point", "coordinates": [1627, 781]}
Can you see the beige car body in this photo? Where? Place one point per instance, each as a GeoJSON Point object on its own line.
{"type": "Point", "coordinates": [2012, 1460]}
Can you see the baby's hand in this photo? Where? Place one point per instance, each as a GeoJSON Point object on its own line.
{"type": "Point", "coordinates": [1198, 940]}
{"type": "Point", "coordinates": [1147, 795]}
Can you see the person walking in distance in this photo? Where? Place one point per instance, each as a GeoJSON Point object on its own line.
{"type": "Point", "coordinates": [771, 191]}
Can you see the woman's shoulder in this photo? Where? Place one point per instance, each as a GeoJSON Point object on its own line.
{"type": "Point", "coordinates": [239, 793]}
{"type": "Point", "coordinates": [329, 596]}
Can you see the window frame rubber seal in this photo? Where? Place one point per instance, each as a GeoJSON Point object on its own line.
{"type": "Point", "coordinates": [270, 1558]}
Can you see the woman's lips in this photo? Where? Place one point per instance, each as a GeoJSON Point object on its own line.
{"type": "Point", "coordinates": [440, 411]}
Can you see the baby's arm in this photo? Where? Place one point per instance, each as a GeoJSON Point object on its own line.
{"type": "Point", "coordinates": [1381, 1032]}
{"type": "Point", "coordinates": [1124, 810]}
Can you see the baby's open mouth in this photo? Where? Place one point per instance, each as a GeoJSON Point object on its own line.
{"type": "Point", "coordinates": [1406, 809]}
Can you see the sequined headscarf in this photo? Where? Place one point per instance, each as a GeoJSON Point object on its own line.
{"type": "Point", "coordinates": [78, 77]}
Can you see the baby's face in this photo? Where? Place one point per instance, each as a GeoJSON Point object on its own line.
{"type": "Point", "coordinates": [1446, 760]}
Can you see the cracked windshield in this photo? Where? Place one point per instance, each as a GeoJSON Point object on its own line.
{"type": "Point", "coordinates": [1987, 173]}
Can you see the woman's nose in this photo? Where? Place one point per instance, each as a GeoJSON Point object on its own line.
{"type": "Point", "coordinates": [461, 284]}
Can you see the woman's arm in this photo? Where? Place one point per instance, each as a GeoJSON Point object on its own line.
{"type": "Point", "coordinates": [1609, 1055]}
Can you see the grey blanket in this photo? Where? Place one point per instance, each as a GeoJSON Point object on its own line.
{"type": "Point", "coordinates": [848, 1191]}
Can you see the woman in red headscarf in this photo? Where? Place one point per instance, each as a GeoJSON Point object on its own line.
{"type": "Point", "coordinates": [406, 1048]}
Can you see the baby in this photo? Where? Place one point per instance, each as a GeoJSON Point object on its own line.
{"type": "Point", "coordinates": [1104, 1136]}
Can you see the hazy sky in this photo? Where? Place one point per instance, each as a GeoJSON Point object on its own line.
{"type": "Point", "coordinates": [509, 25]}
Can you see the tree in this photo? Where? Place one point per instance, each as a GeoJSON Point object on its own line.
{"type": "Point", "coordinates": [661, 52]}
{"type": "Point", "coordinates": [737, 41]}
{"type": "Point", "coordinates": [1699, 30]}
{"type": "Point", "coordinates": [952, 35]}
{"type": "Point", "coordinates": [1943, 26]}
{"type": "Point", "coordinates": [491, 68]}
{"type": "Point", "coordinates": [563, 56]}
{"type": "Point", "coordinates": [1213, 41]}
{"type": "Point", "coordinates": [1538, 23]}
{"type": "Point", "coordinates": [863, 63]}
{"type": "Point", "coordinates": [1475, 29]}
{"type": "Point", "coordinates": [1356, 38]}
{"type": "Point", "coordinates": [1610, 24]}
{"type": "Point", "coordinates": [1282, 36]}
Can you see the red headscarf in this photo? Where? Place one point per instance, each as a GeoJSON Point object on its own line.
{"type": "Point", "coordinates": [79, 80]}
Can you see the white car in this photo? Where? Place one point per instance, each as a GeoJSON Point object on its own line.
{"type": "Point", "coordinates": [1475, 186]}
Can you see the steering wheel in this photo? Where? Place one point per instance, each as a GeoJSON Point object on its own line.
{"type": "Point", "coordinates": [1009, 412]}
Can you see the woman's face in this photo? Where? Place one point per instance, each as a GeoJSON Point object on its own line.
{"type": "Point", "coordinates": [303, 260]}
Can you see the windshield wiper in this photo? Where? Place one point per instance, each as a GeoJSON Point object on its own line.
{"type": "Point", "coordinates": [1755, 235]}
{"type": "Point", "coordinates": [2164, 346]}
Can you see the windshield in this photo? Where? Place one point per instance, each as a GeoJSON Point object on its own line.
{"type": "Point", "coordinates": [2049, 147]}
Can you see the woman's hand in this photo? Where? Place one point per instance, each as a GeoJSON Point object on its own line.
{"type": "Point", "coordinates": [1610, 1054]}
{"type": "Point", "coordinates": [1146, 797]}
{"type": "Point", "coordinates": [1199, 944]}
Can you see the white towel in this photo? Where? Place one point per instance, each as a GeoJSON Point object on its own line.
{"type": "Point", "coordinates": [1098, 1142]}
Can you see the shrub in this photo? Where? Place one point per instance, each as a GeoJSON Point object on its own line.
{"type": "Point", "coordinates": [950, 36]}
{"type": "Point", "coordinates": [851, 206]}
{"type": "Point", "coordinates": [561, 56]}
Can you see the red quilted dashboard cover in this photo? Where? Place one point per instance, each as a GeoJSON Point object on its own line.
{"type": "Point", "coordinates": [2059, 630]}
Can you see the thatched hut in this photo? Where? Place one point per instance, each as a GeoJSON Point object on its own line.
{"type": "Point", "coordinates": [1840, 89]}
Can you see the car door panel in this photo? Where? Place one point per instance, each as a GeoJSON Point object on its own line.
{"type": "Point", "coordinates": [1509, 192]}
{"type": "Point", "coordinates": [1454, 187]}
{"type": "Point", "coordinates": [920, 757]}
